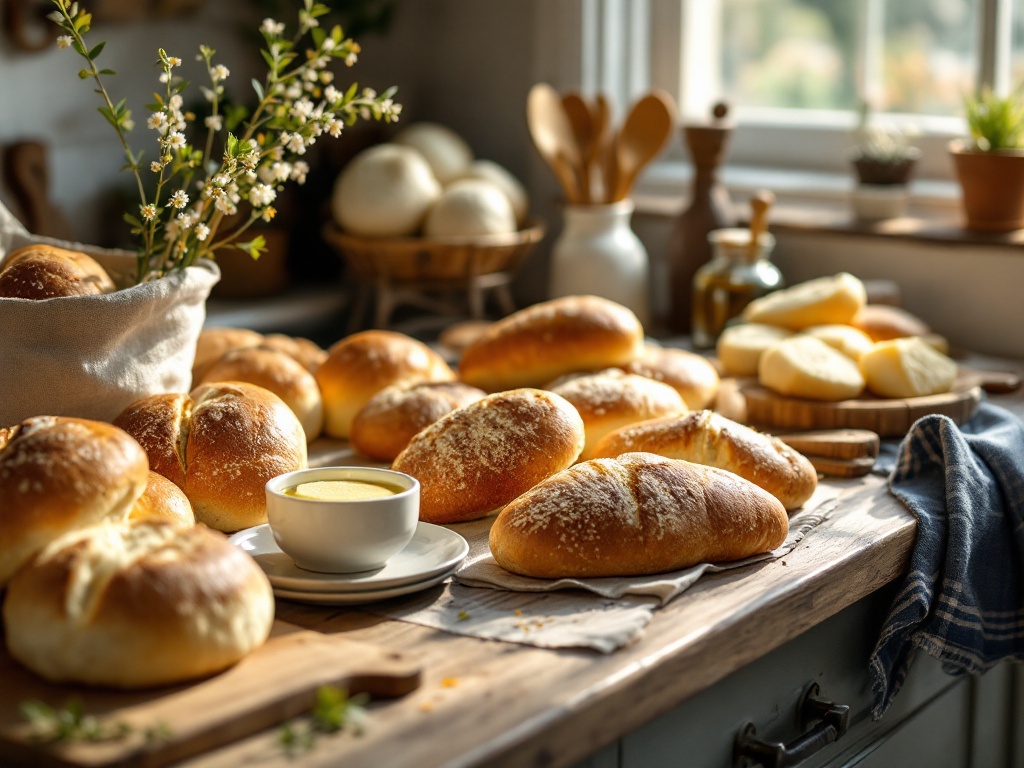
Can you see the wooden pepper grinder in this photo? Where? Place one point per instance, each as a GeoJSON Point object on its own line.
{"type": "Point", "coordinates": [709, 209]}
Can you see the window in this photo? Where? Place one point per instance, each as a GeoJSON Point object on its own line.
{"type": "Point", "coordinates": [794, 71]}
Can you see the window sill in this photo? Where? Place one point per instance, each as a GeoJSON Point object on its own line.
{"type": "Point", "coordinates": [809, 202]}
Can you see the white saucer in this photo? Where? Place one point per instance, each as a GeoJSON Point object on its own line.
{"type": "Point", "coordinates": [433, 551]}
{"type": "Point", "coordinates": [362, 596]}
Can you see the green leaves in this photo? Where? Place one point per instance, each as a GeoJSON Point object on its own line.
{"type": "Point", "coordinates": [332, 711]}
{"type": "Point", "coordinates": [996, 122]}
{"type": "Point", "coordinates": [69, 723]}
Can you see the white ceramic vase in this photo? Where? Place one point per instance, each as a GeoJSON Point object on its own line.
{"type": "Point", "coordinates": [598, 254]}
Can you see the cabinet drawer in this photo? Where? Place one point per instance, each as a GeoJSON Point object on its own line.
{"type": "Point", "coordinates": [701, 731]}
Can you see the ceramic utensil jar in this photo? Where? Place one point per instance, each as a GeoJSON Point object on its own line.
{"type": "Point", "coordinates": [736, 275]}
{"type": "Point", "coordinates": [597, 253]}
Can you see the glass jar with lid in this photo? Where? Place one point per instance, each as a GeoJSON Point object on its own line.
{"type": "Point", "coordinates": [739, 272]}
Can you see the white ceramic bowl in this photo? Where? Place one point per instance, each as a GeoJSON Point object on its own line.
{"type": "Point", "coordinates": [343, 536]}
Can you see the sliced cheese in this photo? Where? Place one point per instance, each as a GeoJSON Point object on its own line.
{"type": "Point", "coordinates": [803, 366]}
{"type": "Point", "coordinates": [907, 367]}
{"type": "Point", "coordinates": [850, 341]}
{"type": "Point", "coordinates": [822, 301]}
{"type": "Point", "coordinates": [740, 346]}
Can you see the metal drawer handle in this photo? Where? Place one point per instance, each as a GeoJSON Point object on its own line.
{"type": "Point", "coordinates": [830, 721]}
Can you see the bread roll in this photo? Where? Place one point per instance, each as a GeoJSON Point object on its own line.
{"type": "Point", "coordinates": [213, 343]}
{"type": "Point", "coordinates": [386, 424]}
{"type": "Point", "coordinates": [482, 456]}
{"type": "Point", "coordinates": [308, 353]}
{"type": "Point", "coordinates": [137, 604]}
{"type": "Point", "coordinates": [803, 366]}
{"type": "Point", "coordinates": [361, 365]}
{"type": "Point", "coordinates": [705, 437]}
{"type": "Point", "coordinates": [536, 345]}
{"type": "Point", "coordinates": [220, 445]}
{"type": "Point", "coordinates": [821, 301]}
{"type": "Point", "coordinates": [281, 374]}
{"type": "Point", "coordinates": [740, 347]}
{"type": "Point", "coordinates": [47, 272]}
{"type": "Point", "coordinates": [635, 515]}
{"type": "Point", "coordinates": [882, 322]}
{"type": "Point", "coordinates": [611, 399]}
{"type": "Point", "coordinates": [163, 500]}
{"type": "Point", "coordinates": [691, 375]}
{"type": "Point", "coordinates": [58, 475]}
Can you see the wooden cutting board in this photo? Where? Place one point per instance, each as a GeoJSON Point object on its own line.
{"type": "Point", "coordinates": [277, 682]}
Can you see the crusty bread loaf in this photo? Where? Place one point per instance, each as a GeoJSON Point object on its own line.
{"type": "Point", "coordinates": [58, 475]}
{"type": "Point", "coordinates": [310, 354]}
{"type": "Point", "coordinates": [634, 515]}
{"type": "Point", "coordinates": [47, 272]}
{"type": "Point", "coordinates": [482, 456]}
{"type": "Point", "coordinates": [281, 374]}
{"type": "Point", "coordinates": [213, 343]}
{"type": "Point", "coordinates": [137, 604]}
{"type": "Point", "coordinates": [611, 399]}
{"type": "Point", "coordinates": [690, 374]}
{"type": "Point", "coordinates": [361, 365]}
{"type": "Point", "coordinates": [220, 445]}
{"type": "Point", "coordinates": [705, 437]}
{"type": "Point", "coordinates": [536, 345]}
{"type": "Point", "coordinates": [163, 500]}
{"type": "Point", "coordinates": [386, 424]}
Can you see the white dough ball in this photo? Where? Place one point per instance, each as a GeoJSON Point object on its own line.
{"type": "Point", "coordinates": [448, 153]}
{"type": "Point", "coordinates": [470, 207]}
{"type": "Point", "coordinates": [384, 191]}
{"type": "Point", "coordinates": [509, 184]}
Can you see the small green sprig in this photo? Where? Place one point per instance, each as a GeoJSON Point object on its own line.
{"type": "Point", "coordinates": [196, 187]}
{"type": "Point", "coordinates": [332, 711]}
{"type": "Point", "coordinates": [70, 723]}
{"type": "Point", "coordinates": [996, 122]}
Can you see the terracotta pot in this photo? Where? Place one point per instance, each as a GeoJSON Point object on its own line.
{"type": "Point", "coordinates": [992, 185]}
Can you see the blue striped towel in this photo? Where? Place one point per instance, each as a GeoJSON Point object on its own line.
{"type": "Point", "coordinates": [962, 600]}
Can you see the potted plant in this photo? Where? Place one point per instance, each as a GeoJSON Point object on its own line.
{"type": "Point", "coordinates": [990, 165]}
{"type": "Point", "coordinates": [883, 161]}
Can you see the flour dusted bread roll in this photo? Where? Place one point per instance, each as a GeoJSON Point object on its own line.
{"type": "Point", "coordinates": [705, 437]}
{"type": "Point", "coordinates": [692, 376]}
{"type": "Point", "coordinates": [386, 424]}
{"type": "Point", "coordinates": [536, 345]}
{"type": "Point", "coordinates": [635, 515]}
{"type": "Point", "coordinates": [482, 456]}
{"type": "Point", "coordinates": [137, 604]}
{"type": "Point", "coordinates": [308, 353]}
{"type": "Point", "coordinates": [47, 272]}
{"type": "Point", "coordinates": [281, 374]}
{"type": "Point", "coordinates": [220, 445]}
{"type": "Point", "coordinates": [214, 343]}
{"type": "Point", "coordinates": [611, 399]}
{"type": "Point", "coordinates": [58, 475]}
{"type": "Point", "coordinates": [163, 500]}
{"type": "Point", "coordinates": [361, 365]}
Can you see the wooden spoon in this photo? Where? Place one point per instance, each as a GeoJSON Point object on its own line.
{"type": "Point", "coordinates": [760, 203]}
{"type": "Point", "coordinates": [581, 120]}
{"type": "Point", "coordinates": [603, 141]}
{"type": "Point", "coordinates": [645, 132]}
{"type": "Point", "coordinates": [552, 134]}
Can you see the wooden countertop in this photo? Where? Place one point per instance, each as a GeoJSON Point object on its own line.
{"type": "Point", "coordinates": [489, 703]}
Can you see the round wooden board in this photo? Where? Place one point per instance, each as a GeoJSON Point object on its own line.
{"type": "Point", "coordinates": [888, 418]}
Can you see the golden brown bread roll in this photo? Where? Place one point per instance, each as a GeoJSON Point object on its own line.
{"type": "Point", "coordinates": [536, 345]}
{"type": "Point", "coordinates": [386, 424]}
{"type": "Point", "coordinates": [482, 456]}
{"type": "Point", "coordinates": [58, 475]}
{"type": "Point", "coordinates": [308, 353]}
{"type": "Point", "coordinates": [137, 604]}
{"type": "Point", "coordinates": [281, 374]}
{"type": "Point", "coordinates": [163, 500]}
{"type": "Point", "coordinates": [635, 515]}
{"type": "Point", "coordinates": [220, 445]}
{"type": "Point", "coordinates": [361, 365]}
{"type": "Point", "coordinates": [46, 272]}
{"type": "Point", "coordinates": [691, 375]}
{"type": "Point", "coordinates": [213, 343]}
{"type": "Point", "coordinates": [705, 437]}
{"type": "Point", "coordinates": [882, 322]}
{"type": "Point", "coordinates": [611, 399]}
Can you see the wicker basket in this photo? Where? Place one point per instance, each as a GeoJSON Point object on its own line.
{"type": "Point", "coordinates": [421, 260]}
